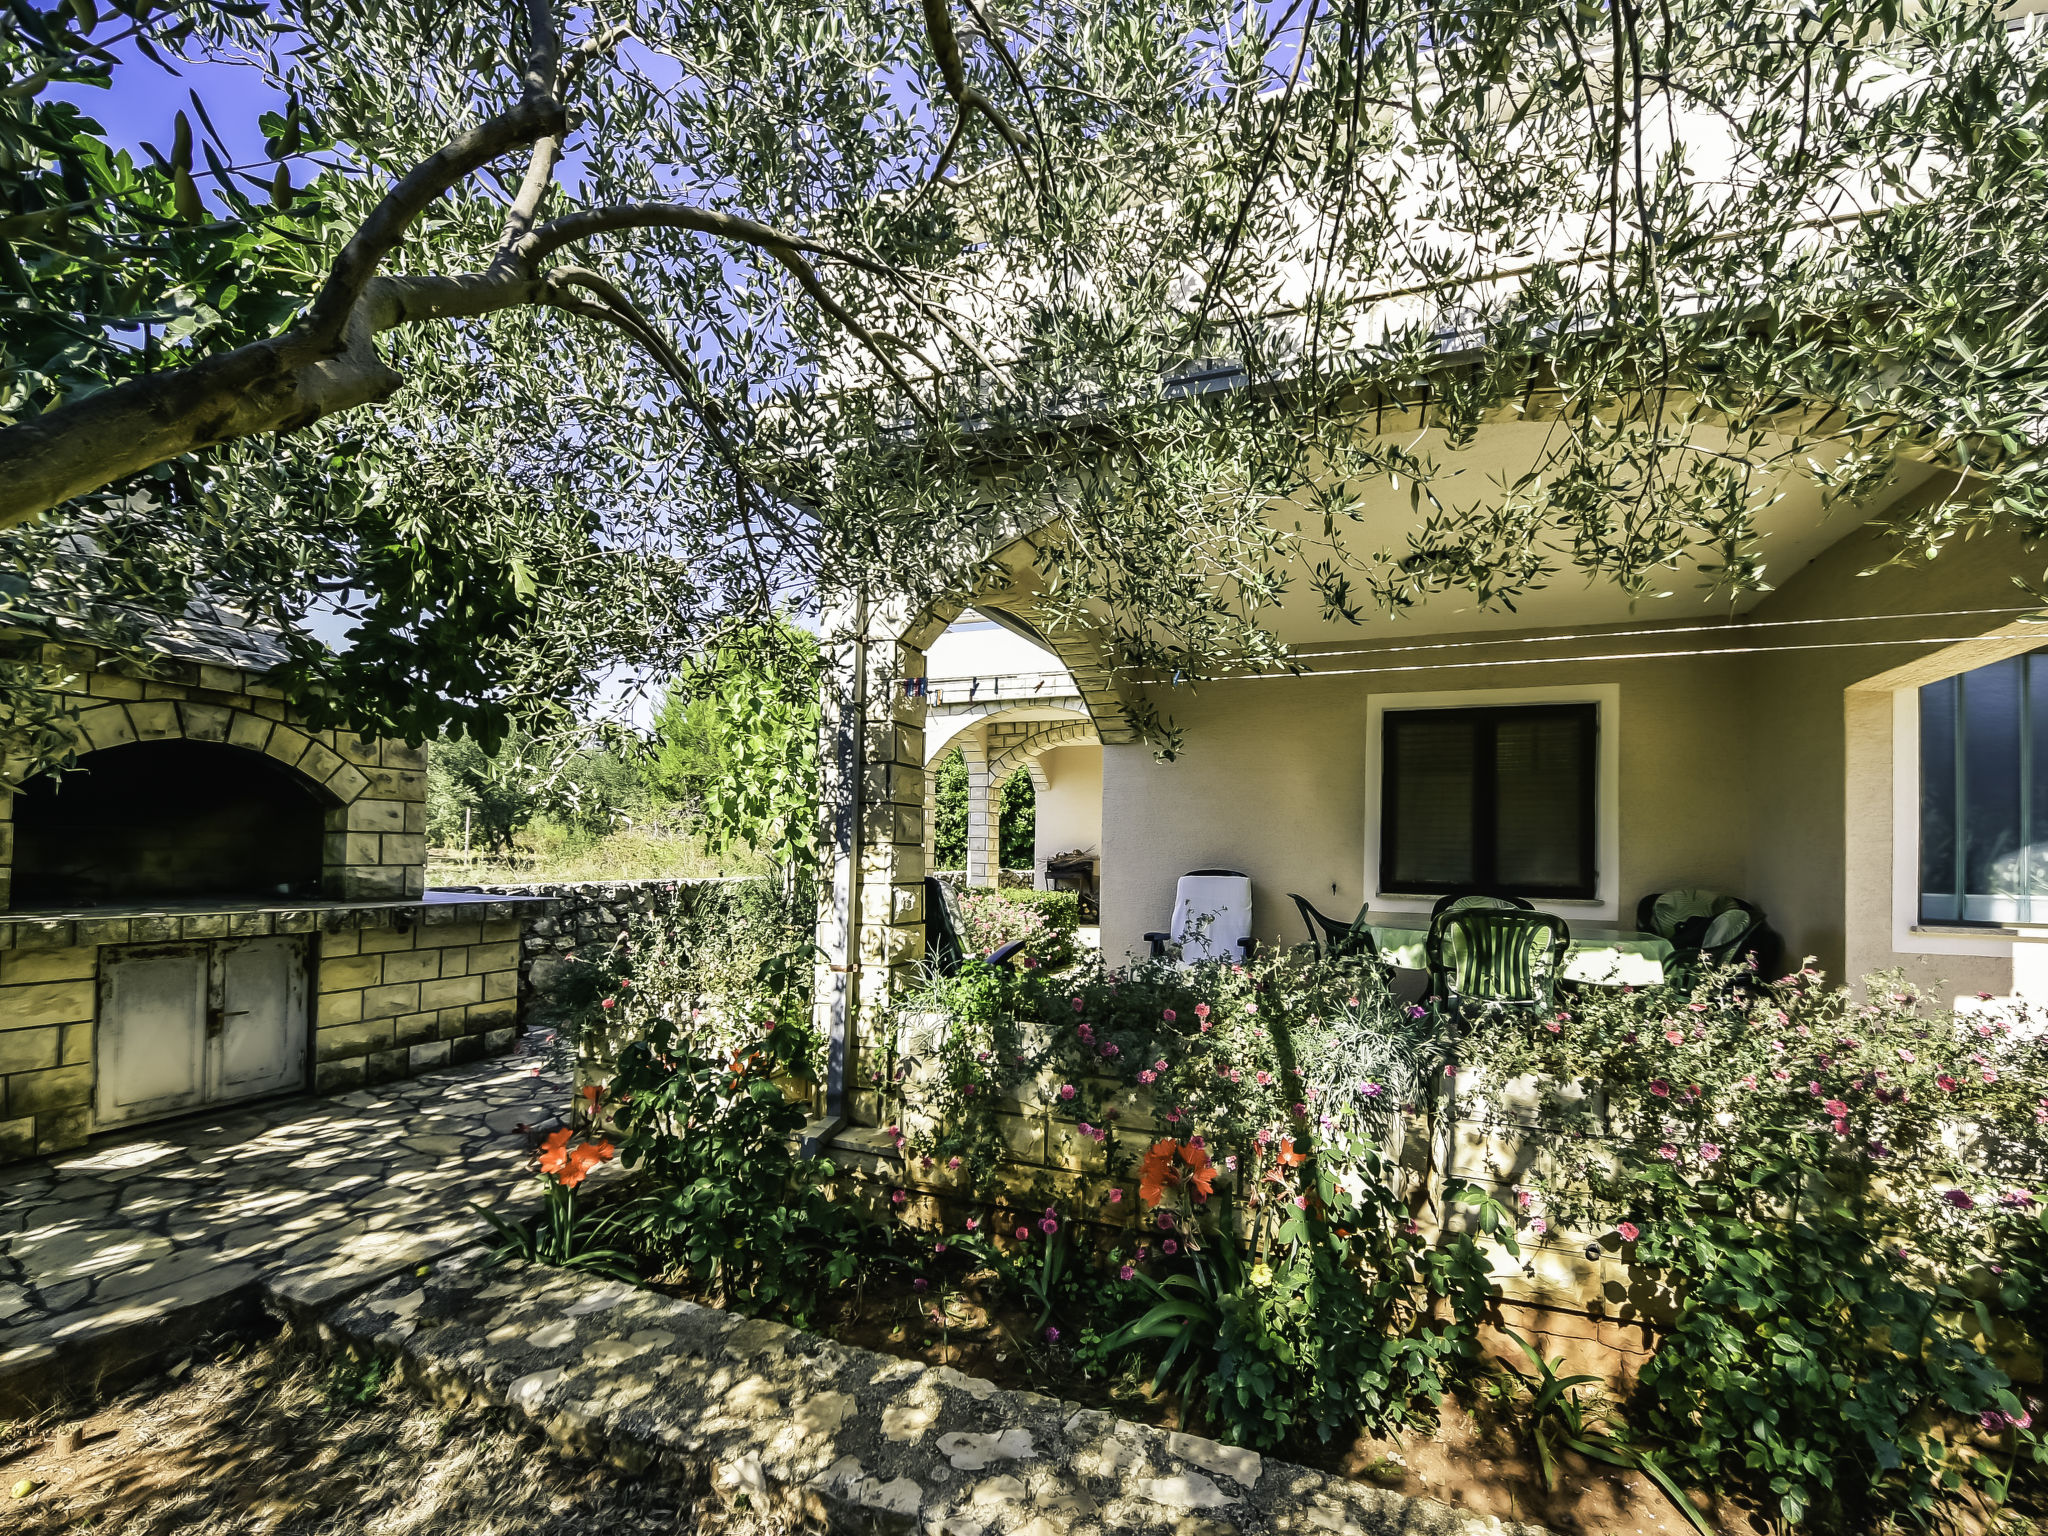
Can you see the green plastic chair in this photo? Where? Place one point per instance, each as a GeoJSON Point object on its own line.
{"type": "Point", "coordinates": [1704, 928]}
{"type": "Point", "coordinates": [1487, 959]}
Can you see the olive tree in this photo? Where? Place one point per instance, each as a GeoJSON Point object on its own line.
{"type": "Point", "coordinates": [580, 338]}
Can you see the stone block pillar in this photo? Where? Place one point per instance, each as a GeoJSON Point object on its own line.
{"type": "Point", "coordinates": [984, 829]}
{"type": "Point", "coordinates": [871, 926]}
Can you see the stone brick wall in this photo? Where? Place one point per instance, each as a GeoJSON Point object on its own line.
{"type": "Point", "coordinates": [397, 998]}
{"type": "Point", "coordinates": [374, 791]}
{"type": "Point", "coordinates": [46, 1024]}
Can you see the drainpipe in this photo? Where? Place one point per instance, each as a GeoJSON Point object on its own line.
{"type": "Point", "coordinates": [849, 755]}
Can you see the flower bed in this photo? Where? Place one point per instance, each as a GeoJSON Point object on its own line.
{"type": "Point", "coordinates": [1256, 1198]}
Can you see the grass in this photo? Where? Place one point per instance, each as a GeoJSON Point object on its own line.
{"type": "Point", "coordinates": [548, 853]}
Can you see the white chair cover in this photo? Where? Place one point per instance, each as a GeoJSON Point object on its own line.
{"type": "Point", "coordinates": [1210, 914]}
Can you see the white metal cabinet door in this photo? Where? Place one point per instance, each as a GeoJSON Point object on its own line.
{"type": "Point", "coordinates": [152, 1032]}
{"type": "Point", "coordinates": [260, 1042]}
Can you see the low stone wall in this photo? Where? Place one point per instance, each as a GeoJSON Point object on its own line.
{"type": "Point", "coordinates": [789, 1422]}
{"type": "Point", "coordinates": [588, 917]}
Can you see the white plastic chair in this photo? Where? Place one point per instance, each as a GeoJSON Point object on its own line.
{"type": "Point", "coordinates": [1212, 917]}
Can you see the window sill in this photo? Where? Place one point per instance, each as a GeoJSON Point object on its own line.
{"type": "Point", "coordinates": [1972, 931]}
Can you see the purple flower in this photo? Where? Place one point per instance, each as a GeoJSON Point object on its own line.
{"type": "Point", "coordinates": [1066, 1090]}
{"type": "Point", "coordinates": [1170, 1247]}
{"type": "Point", "coordinates": [1052, 1334]}
{"type": "Point", "coordinates": [1048, 1226]}
{"type": "Point", "coordinates": [920, 1284]}
{"type": "Point", "coordinates": [1960, 1199]}
{"type": "Point", "coordinates": [1126, 1272]}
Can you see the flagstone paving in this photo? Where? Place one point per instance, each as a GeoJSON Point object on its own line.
{"type": "Point", "coordinates": [105, 1251]}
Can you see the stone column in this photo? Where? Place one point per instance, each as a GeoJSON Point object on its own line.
{"type": "Point", "coordinates": [984, 845]}
{"type": "Point", "coordinates": [871, 918]}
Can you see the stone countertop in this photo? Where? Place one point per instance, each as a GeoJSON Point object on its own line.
{"type": "Point", "coordinates": [165, 922]}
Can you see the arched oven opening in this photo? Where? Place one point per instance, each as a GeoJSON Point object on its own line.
{"type": "Point", "coordinates": [167, 821]}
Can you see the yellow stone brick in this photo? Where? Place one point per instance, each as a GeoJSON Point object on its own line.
{"type": "Point", "coordinates": [451, 992]}
{"type": "Point", "coordinates": [106, 685]}
{"type": "Point", "coordinates": [77, 1046]}
{"type": "Point", "coordinates": [453, 936]}
{"type": "Point", "coordinates": [46, 1002]}
{"type": "Point", "coordinates": [250, 731]}
{"type": "Point", "coordinates": [390, 1001]}
{"type": "Point", "coordinates": [502, 929]}
{"type": "Point", "coordinates": [346, 782]}
{"type": "Point", "coordinates": [353, 1039]}
{"type": "Point", "coordinates": [347, 973]}
{"type": "Point", "coordinates": [318, 763]}
{"type": "Point", "coordinates": [412, 965]}
{"type": "Point", "coordinates": [107, 726]}
{"type": "Point", "coordinates": [403, 848]}
{"type": "Point", "coordinates": [360, 750]}
{"type": "Point", "coordinates": [380, 940]}
{"type": "Point", "coordinates": [376, 816]}
{"type": "Point", "coordinates": [20, 965]}
{"type": "Point", "coordinates": [493, 957]}
{"type": "Point", "coordinates": [156, 721]}
{"type": "Point", "coordinates": [347, 942]}
{"type": "Point", "coordinates": [340, 1008]}
{"type": "Point", "coordinates": [30, 1050]}
{"type": "Point", "coordinates": [35, 1093]}
{"type": "Point", "coordinates": [501, 985]}
{"type": "Point", "coordinates": [286, 744]}
{"type": "Point", "coordinates": [205, 722]}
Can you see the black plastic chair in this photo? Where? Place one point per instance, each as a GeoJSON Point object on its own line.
{"type": "Point", "coordinates": [1333, 940]}
{"type": "Point", "coordinates": [944, 950]}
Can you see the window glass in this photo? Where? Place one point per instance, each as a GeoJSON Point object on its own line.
{"type": "Point", "coordinates": [1490, 799]}
{"type": "Point", "coordinates": [1984, 794]}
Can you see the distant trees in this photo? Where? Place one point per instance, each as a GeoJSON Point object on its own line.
{"type": "Point", "coordinates": [1016, 803]}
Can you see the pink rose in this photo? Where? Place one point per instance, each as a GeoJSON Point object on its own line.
{"type": "Point", "coordinates": [1629, 1231]}
{"type": "Point", "coordinates": [1066, 1090]}
{"type": "Point", "coordinates": [1660, 1088]}
{"type": "Point", "coordinates": [1668, 1152]}
{"type": "Point", "coordinates": [1201, 1010]}
{"type": "Point", "coordinates": [1709, 1153]}
{"type": "Point", "coordinates": [1168, 1015]}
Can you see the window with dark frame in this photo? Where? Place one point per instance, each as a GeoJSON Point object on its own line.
{"type": "Point", "coordinates": [1501, 800]}
{"type": "Point", "coordinates": [1984, 794]}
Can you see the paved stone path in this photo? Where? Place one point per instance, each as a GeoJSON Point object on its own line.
{"type": "Point", "coordinates": [104, 1252]}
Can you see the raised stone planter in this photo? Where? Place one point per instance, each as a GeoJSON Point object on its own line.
{"type": "Point", "coordinates": [778, 1417]}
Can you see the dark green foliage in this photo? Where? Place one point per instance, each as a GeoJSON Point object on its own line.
{"type": "Point", "coordinates": [729, 1201]}
{"type": "Point", "coordinates": [1015, 801]}
{"type": "Point", "coordinates": [1808, 1360]}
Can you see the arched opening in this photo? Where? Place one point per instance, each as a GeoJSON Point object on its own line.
{"type": "Point", "coordinates": [167, 820]}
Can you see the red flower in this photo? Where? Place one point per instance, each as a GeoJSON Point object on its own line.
{"type": "Point", "coordinates": [554, 1152]}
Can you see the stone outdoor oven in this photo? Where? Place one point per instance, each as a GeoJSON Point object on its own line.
{"type": "Point", "coordinates": [221, 903]}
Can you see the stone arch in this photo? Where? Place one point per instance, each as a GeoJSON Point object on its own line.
{"type": "Point", "coordinates": [870, 933]}
{"type": "Point", "coordinates": [364, 806]}
{"type": "Point", "coordinates": [1025, 754]}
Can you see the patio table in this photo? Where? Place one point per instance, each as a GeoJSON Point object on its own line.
{"type": "Point", "coordinates": [1603, 955]}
